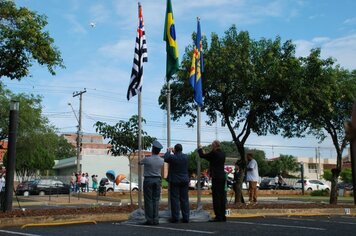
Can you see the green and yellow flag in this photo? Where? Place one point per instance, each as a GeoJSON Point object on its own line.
{"type": "Point", "coordinates": [171, 43]}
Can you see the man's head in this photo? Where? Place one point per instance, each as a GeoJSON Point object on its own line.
{"type": "Point", "coordinates": [215, 145]}
{"type": "Point", "coordinates": [249, 156]}
{"type": "Point", "coordinates": [178, 148]}
{"type": "Point", "coordinates": [156, 147]}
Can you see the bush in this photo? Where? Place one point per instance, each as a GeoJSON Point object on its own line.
{"type": "Point", "coordinates": [319, 193]}
{"type": "Point", "coordinates": [164, 183]}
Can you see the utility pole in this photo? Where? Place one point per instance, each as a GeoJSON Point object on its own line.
{"type": "Point", "coordinates": [79, 133]}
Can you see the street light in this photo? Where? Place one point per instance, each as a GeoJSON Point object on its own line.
{"type": "Point", "coordinates": [11, 155]}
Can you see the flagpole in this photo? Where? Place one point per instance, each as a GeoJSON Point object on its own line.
{"type": "Point", "coordinates": [169, 133]}
{"type": "Point", "coordinates": [199, 204]}
{"type": "Point", "coordinates": [139, 152]}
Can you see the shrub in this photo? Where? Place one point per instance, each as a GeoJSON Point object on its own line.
{"type": "Point", "coordinates": [322, 193]}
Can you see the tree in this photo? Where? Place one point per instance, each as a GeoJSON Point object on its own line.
{"type": "Point", "coordinates": [346, 175]}
{"type": "Point", "coordinates": [64, 149]}
{"type": "Point", "coordinates": [321, 105]}
{"type": "Point", "coordinates": [123, 138]}
{"type": "Point", "coordinates": [327, 175]}
{"type": "Point", "coordinates": [192, 163]}
{"type": "Point", "coordinates": [284, 165]}
{"type": "Point", "coordinates": [24, 41]}
{"type": "Point", "coordinates": [37, 142]}
{"type": "Point", "coordinates": [240, 80]}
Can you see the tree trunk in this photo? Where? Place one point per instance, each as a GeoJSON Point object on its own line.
{"type": "Point", "coordinates": [237, 187]}
{"type": "Point", "coordinates": [239, 178]}
{"type": "Point", "coordinates": [334, 180]}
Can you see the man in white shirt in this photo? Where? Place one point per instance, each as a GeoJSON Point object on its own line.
{"type": "Point", "coordinates": [252, 178]}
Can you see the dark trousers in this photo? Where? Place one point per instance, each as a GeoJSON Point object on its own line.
{"type": "Point", "coordinates": [218, 189]}
{"type": "Point", "coordinates": [152, 194]}
{"type": "Point", "coordinates": [179, 200]}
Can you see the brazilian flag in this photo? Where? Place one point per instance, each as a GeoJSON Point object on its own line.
{"type": "Point", "coordinates": [171, 43]}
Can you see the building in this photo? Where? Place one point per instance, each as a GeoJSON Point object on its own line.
{"type": "Point", "coordinates": [95, 158]}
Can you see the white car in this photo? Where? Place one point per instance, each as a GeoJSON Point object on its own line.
{"type": "Point", "coordinates": [312, 185]}
{"type": "Point", "coordinates": [123, 186]}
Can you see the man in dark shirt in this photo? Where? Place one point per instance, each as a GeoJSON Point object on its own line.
{"type": "Point", "coordinates": [178, 178]}
{"type": "Point", "coordinates": [216, 160]}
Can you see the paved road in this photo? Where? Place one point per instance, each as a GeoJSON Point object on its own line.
{"type": "Point", "coordinates": [254, 226]}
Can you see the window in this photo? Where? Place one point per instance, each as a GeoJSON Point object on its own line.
{"type": "Point", "coordinates": [312, 168]}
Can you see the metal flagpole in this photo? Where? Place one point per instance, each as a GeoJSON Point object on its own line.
{"type": "Point", "coordinates": [139, 153]}
{"type": "Point", "coordinates": [169, 132]}
{"type": "Point", "coordinates": [199, 204]}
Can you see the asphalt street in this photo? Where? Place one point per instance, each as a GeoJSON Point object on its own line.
{"type": "Point", "coordinates": [251, 226]}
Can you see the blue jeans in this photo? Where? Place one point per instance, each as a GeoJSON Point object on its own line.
{"type": "Point", "coordinates": [152, 194]}
{"type": "Point", "coordinates": [179, 200]}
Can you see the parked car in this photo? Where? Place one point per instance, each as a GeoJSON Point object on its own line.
{"type": "Point", "coordinates": [345, 186]}
{"type": "Point", "coordinates": [312, 185]}
{"type": "Point", "coordinates": [123, 186]}
{"type": "Point", "coordinates": [48, 186]}
{"type": "Point", "coordinates": [205, 183]}
{"type": "Point", "coordinates": [24, 188]}
{"type": "Point", "coordinates": [270, 183]}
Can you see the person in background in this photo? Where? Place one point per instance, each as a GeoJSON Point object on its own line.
{"type": "Point", "coordinates": [82, 183]}
{"type": "Point", "coordinates": [2, 190]}
{"type": "Point", "coordinates": [94, 180]}
{"type": "Point", "coordinates": [178, 178]}
{"type": "Point", "coordinates": [280, 180]}
{"type": "Point", "coordinates": [79, 176]}
{"type": "Point", "coordinates": [216, 160]}
{"type": "Point", "coordinates": [87, 182]}
{"type": "Point", "coordinates": [252, 178]}
{"type": "Point", "coordinates": [152, 184]}
{"type": "Point", "coordinates": [73, 179]}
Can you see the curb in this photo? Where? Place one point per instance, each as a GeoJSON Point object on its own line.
{"type": "Point", "coordinates": [234, 213]}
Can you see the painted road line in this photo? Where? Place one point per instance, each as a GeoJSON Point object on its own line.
{"type": "Point", "coordinates": [276, 225]}
{"type": "Point", "coordinates": [172, 229]}
{"type": "Point", "coordinates": [17, 233]}
{"type": "Point", "coordinates": [60, 223]}
{"type": "Point", "coordinates": [322, 221]}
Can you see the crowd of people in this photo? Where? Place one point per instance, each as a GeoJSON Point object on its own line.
{"type": "Point", "coordinates": [79, 182]}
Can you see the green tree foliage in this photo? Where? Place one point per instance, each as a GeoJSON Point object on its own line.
{"type": "Point", "coordinates": [327, 175]}
{"type": "Point", "coordinates": [346, 175]}
{"type": "Point", "coordinates": [37, 143]}
{"type": "Point", "coordinates": [192, 163]}
{"type": "Point", "coordinates": [284, 165]}
{"type": "Point", "coordinates": [123, 138]}
{"type": "Point", "coordinates": [320, 105]}
{"type": "Point", "coordinates": [64, 149]}
{"type": "Point", "coordinates": [24, 41]}
{"type": "Point", "coordinates": [240, 81]}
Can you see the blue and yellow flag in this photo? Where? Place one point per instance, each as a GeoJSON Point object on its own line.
{"type": "Point", "coordinates": [197, 68]}
{"type": "Point", "coordinates": [171, 43]}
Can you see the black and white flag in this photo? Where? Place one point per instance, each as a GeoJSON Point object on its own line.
{"type": "Point", "coordinates": [140, 57]}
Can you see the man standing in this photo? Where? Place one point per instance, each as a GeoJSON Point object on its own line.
{"type": "Point", "coordinates": [252, 178]}
{"type": "Point", "coordinates": [178, 178]}
{"type": "Point", "coordinates": [216, 160]}
{"type": "Point", "coordinates": [152, 183]}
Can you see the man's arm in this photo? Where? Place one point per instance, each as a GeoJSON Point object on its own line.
{"type": "Point", "coordinates": [168, 156]}
{"type": "Point", "coordinates": [208, 156]}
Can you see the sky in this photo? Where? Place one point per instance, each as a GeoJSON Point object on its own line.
{"type": "Point", "coordinates": [100, 58]}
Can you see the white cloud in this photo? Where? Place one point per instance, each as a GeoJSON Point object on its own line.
{"type": "Point", "coordinates": [99, 13]}
{"type": "Point", "coordinates": [76, 26]}
{"type": "Point", "coordinates": [122, 49]}
{"type": "Point", "coordinates": [350, 21]}
{"type": "Point", "coordinates": [320, 39]}
{"type": "Point", "coordinates": [343, 49]}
